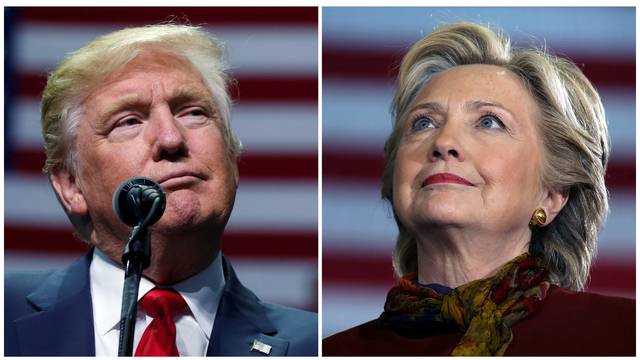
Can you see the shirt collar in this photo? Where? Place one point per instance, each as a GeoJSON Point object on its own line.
{"type": "Point", "coordinates": [201, 292]}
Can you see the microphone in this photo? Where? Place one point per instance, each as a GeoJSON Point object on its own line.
{"type": "Point", "coordinates": [138, 201]}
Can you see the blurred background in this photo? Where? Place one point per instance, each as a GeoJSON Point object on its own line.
{"type": "Point", "coordinates": [362, 48]}
{"type": "Point", "coordinates": [271, 237]}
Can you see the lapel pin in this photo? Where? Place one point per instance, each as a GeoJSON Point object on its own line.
{"type": "Point", "coordinates": [261, 347]}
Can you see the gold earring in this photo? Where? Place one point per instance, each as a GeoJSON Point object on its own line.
{"type": "Point", "coordinates": [538, 218]}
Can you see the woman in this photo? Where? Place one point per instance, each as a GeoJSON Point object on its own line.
{"type": "Point", "coordinates": [495, 171]}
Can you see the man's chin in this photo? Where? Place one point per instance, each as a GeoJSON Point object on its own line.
{"type": "Point", "coordinates": [185, 214]}
{"type": "Point", "coordinates": [170, 223]}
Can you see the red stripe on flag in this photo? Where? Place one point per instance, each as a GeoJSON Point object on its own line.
{"type": "Point", "coordinates": [152, 15]}
{"type": "Point", "coordinates": [361, 63]}
{"type": "Point", "coordinates": [251, 165]}
{"type": "Point", "coordinates": [259, 88]}
{"type": "Point", "coordinates": [608, 273]}
{"type": "Point", "coordinates": [383, 64]}
{"type": "Point", "coordinates": [342, 165]}
{"type": "Point", "coordinates": [285, 245]}
{"type": "Point", "coordinates": [274, 166]}
{"type": "Point", "coordinates": [355, 270]}
{"type": "Point", "coordinates": [272, 88]}
{"type": "Point", "coordinates": [612, 273]}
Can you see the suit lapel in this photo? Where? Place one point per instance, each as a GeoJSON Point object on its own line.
{"type": "Point", "coordinates": [241, 322]}
{"type": "Point", "coordinates": [63, 320]}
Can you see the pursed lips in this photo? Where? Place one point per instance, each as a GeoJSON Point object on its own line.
{"type": "Point", "coordinates": [178, 175]}
{"type": "Point", "coordinates": [440, 178]}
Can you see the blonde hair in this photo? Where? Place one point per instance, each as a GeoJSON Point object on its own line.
{"type": "Point", "coordinates": [82, 71]}
{"type": "Point", "coordinates": [572, 126]}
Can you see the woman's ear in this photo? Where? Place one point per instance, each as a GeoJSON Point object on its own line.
{"type": "Point", "coordinates": [553, 203]}
{"type": "Point", "coordinates": [68, 192]}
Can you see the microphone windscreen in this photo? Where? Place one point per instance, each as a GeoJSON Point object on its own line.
{"type": "Point", "coordinates": [133, 200]}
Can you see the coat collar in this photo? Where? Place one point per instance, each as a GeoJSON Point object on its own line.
{"type": "Point", "coordinates": [63, 302]}
{"type": "Point", "coordinates": [241, 321]}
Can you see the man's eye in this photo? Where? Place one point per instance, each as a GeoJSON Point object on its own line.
{"type": "Point", "coordinates": [194, 117]}
{"type": "Point", "coordinates": [422, 123]}
{"type": "Point", "coordinates": [197, 112]}
{"type": "Point", "coordinates": [128, 122]}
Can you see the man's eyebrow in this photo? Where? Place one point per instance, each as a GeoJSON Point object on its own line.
{"type": "Point", "coordinates": [126, 102]}
{"type": "Point", "coordinates": [184, 94]}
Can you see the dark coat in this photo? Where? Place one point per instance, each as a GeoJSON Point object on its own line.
{"type": "Point", "coordinates": [566, 323]}
{"type": "Point", "coordinates": [50, 314]}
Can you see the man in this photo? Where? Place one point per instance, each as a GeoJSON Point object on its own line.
{"type": "Point", "coordinates": [149, 101]}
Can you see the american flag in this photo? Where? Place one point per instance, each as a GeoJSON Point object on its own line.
{"type": "Point", "coordinates": [362, 48]}
{"type": "Point", "coordinates": [271, 237]}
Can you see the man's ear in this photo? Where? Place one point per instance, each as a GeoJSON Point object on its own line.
{"type": "Point", "coordinates": [69, 193]}
{"type": "Point", "coordinates": [233, 167]}
{"type": "Point", "coordinates": [553, 203]}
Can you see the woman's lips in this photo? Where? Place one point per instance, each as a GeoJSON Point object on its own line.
{"type": "Point", "coordinates": [445, 178]}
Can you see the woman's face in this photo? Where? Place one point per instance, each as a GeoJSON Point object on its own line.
{"type": "Point", "coordinates": [470, 153]}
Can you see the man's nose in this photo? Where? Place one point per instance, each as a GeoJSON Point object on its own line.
{"type": "Point", "coordinates": [166, 135]}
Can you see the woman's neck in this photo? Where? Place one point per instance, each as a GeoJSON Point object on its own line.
{"type": "Point", "coordinates": [454, 257]}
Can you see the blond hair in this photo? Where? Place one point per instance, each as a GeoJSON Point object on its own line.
{"type": "Point", "coordinates": [82, 71]}
{"type": "Point", "coordinates": [572, 126]}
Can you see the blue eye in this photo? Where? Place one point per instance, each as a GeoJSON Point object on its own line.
{"type": "Point", "coordinates": [422, 123]}
{"type": "Point", "coordinates": [491, 122]}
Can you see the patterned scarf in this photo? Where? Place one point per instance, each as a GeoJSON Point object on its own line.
{"type": "Point", "coordinates": [485, 309]}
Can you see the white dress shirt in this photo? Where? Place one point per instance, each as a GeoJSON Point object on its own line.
{"type": "Point", "coordinates": [201, 292]}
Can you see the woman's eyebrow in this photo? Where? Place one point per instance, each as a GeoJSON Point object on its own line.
{"type": "Point", "coordinates": [469, 105]}
{"type": "Point", "coordinates": [475, 104]}
{"type": "Point", "coordinates": [434, 106]}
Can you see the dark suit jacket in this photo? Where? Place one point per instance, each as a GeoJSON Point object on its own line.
{"type": "Point", "coordinates": [566, 323]}
{"type": "Point", "coordinates": [50, 313]}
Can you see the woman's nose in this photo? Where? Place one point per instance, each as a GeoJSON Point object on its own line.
{"type": "Point", "coordinates": [446, 145]}
{"type": "Point", "coordinates": [167, 136]}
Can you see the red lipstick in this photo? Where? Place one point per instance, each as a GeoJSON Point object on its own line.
{"type": "Point", "coordinates": [445, 178]}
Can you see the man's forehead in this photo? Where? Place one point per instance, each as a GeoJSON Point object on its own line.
{"type": "Point", "coordinates": [135, 99]}
{"type": "Point", "coordinates": [152, 60]}
{"type": "Point", "coordinates": [138, 83]}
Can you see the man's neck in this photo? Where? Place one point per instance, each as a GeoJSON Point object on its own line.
{"type": "Point", "coordinates": [173, 258]}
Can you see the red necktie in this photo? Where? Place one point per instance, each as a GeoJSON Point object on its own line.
{"type": "Point", "coordinates": [159, 338]}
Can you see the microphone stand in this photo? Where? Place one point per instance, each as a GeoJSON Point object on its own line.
{"type": "Point", "coordinates": [136, 257]}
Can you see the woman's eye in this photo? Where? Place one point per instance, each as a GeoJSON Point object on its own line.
{"type": "Point", "coordinates": [422, 123]}
{"type": "Point", "coordinates": [491, 122]}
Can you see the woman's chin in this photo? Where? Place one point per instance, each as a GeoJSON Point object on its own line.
{"type": "Point", "coordinates": [441, 216]}
{"type": "Point", "coordinates": [443, 206]}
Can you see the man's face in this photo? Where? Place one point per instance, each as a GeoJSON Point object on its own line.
{"type": "Point", "coordinates": [155, 118]}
